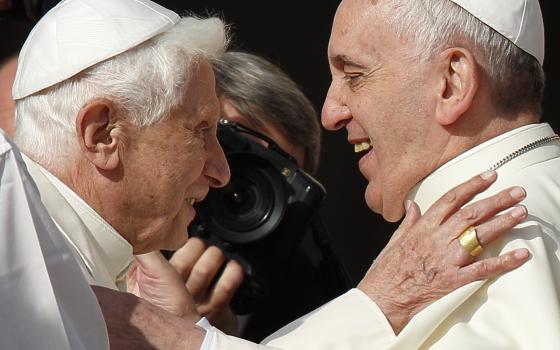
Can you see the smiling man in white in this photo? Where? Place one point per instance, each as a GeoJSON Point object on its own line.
{"type": "Point", "coordinates": [438, 91]}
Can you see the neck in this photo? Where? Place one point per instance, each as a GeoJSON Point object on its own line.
{"type": "Point", "coordinates": [471, 132]}
{"type": "Point", "coordinates": [508, 150]}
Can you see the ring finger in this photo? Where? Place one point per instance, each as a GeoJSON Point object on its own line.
{"type": "Point", "coordinates": [490, 230]}
{"type": "Point", "coordinates": [483, 209]}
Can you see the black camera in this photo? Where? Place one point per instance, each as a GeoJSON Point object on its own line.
{"type": "Point", "coordinates": [260, 217]}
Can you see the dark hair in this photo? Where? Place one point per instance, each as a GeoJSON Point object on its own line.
{"type": "Point", "coordinates": [265, 95]}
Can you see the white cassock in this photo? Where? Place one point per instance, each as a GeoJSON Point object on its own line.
{"type": "Point", "coordinates": [45, 302]}
{"type": "Point", "coordinates": [102, 253]}
{"type": "Point", "coordinates": [518, 310]}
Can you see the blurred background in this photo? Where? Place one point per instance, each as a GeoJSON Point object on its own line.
{"type": "Point", "coordinates": [294, 35]}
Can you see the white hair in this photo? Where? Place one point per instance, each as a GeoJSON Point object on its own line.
{"type": "Point", "coordinates": [146, 82]}
{"type": "Point", "coordinates": [517, 77]}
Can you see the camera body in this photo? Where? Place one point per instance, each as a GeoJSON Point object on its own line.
{"type": "Point", "coordinates": [261, 216]}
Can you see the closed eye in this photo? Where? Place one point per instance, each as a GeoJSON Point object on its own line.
{"type": "Point", "coordinates": [353, 80]}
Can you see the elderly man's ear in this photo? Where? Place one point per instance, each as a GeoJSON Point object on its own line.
{"type": "Point", "coordinates": [98, 133]}
{"type": "Point", "coordinates": [458, 76]}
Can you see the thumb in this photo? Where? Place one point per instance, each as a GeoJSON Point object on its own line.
{"type": "Point", "coordinates": [412, 214]}
{"type": "Point", "coordinates": [153, 263]}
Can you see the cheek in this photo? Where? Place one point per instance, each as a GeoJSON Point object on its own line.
{"type": "Point", "coordinates": [191, 168]}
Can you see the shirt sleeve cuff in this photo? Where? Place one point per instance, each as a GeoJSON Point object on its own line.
{"type": "Point", "coordinates": [208, 341]}
{"type": "Point", "coordinates": [351, 321]}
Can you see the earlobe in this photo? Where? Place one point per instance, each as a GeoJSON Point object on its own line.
{"type": "Point", "coordinates": [96, 133]}
{"type": "Point", "coordinates": [459, 84]}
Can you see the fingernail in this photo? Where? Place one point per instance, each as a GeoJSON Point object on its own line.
{"type": "Point", "coordinates": [487, 175]}
{"type": "Point", "coordinates": [521, 254]}
{"type": "Point", "coordinates": [519, 212]}
{"type": "Point", "coordinates": [518, 193]}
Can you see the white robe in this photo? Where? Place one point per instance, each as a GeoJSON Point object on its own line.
{"type": "Point", "coordinates": [518, 310]}
{"type": "Point", "coordinates": [45, 302]}
{"type": "Point", "coordinates": [102, 253]}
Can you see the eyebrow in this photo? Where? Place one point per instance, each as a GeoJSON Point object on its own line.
{"type": "Point", "coordinates": [344, 60]}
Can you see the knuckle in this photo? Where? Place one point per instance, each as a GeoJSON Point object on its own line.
{"type": "Point", "coordinates": [182, 268]}
{"type": "Point", "coordinates": [483, 269]}
{"type": "Point", "coordinates": [503, 223]}
{"type": "Point", "coordinates": [470, 213]}
{"type": "Point", "coordinates": [202, 272]}
{"type": "Point", "coordinates": [226, 287]}
{"type": "Point", "coordinates": [504, 199]}
{"type": "Point", "coordinates": [450, 197]}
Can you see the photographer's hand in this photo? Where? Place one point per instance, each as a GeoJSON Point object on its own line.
{"type": "Point", "coordinates": [198, 267]}
{"type": "Point", "coordinates": [424, 260]}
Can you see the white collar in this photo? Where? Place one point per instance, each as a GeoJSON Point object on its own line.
{"type": "Point", "coordinates": [115, 248]}
{"type": "Point", "coordinates": [477, 160]}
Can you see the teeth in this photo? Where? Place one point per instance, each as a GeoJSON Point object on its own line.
{"type": "Point", "coordinates": [191, 201]}
{"type": "Point", "coordinates": [360, 147]}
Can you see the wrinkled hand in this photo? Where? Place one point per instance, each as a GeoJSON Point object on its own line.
{"type": "Point", "coordinates": [154, 279]}
{"type": "Point", "coordinates": [424, 260]}
{"type": "Point", "coordinates": [198, 267]}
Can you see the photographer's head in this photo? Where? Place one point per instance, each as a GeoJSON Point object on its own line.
{"type": "Point", "coordinates": [258, 94]}
{"type": "Point", "coordinates": [127, 118]}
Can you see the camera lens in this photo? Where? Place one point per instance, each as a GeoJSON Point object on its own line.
{"type": "Point", "coordinates": [251, 205]}
{"type": "Point", "coordinates": [246, 200]}
{"type": "Point", "coordinates": [239, 197]}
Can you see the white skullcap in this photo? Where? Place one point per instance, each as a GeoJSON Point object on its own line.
{"type": "Point", "coordinates": [77, 34]}
{"type": "Point", "coordinates": [520, 21]}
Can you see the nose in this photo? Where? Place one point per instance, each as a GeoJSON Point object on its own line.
{"type": "Point", "coordinates": [335, 113]}
{"type": "Point", "coordinates": [216, 168]}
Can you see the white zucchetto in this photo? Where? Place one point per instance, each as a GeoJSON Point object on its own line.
{"type": "Point", "coordinates": [77, 34]}
{"type": "Point", "coordinates": [520, 21]}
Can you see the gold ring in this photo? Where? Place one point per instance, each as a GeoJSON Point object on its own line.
{"type": "Point", "coordinates": [470, 242]}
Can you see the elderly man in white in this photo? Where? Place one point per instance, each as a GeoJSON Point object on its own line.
{"type": "Point", "coordinates": [87, 121]}
{"type": "Point", "coordinates": [117, 114]}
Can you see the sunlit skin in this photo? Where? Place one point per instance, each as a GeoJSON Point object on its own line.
{"type": "Point", "coordinates": [230, 112]}
{"type": "Point", "coordinates": [147, 197]}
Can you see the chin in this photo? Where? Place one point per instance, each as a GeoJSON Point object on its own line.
{"type": "Point", "coordinates": [374, 200]}
{"type": "Point", "coordinates": [389, 211]}
{"type": "Point", "coordinates": [393, 216]}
